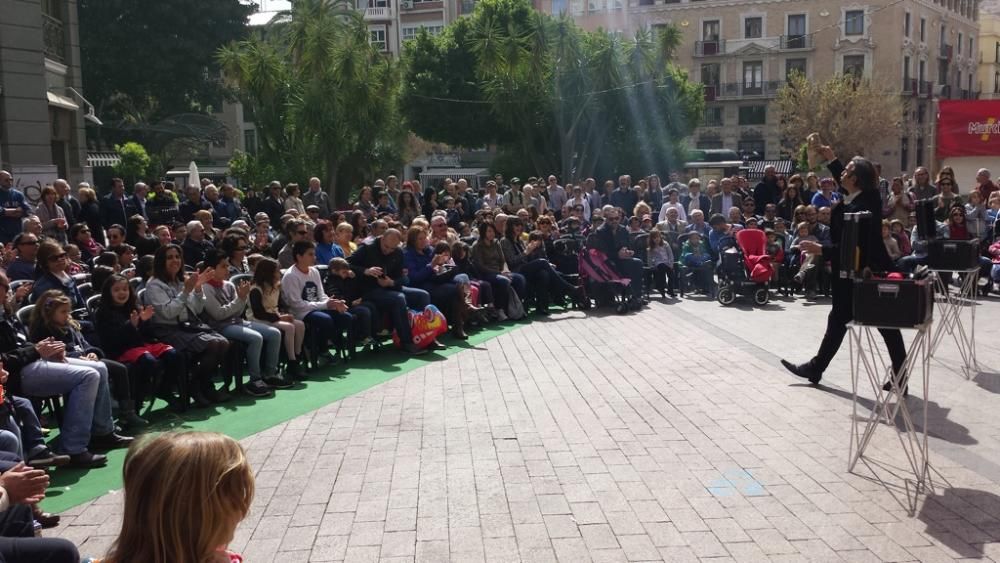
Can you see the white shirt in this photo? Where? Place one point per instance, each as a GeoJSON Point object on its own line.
{"type": "Point", "coordinates": [681, 214]}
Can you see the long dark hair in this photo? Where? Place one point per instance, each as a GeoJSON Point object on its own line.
{"type": "Point", "coordinates": [263, 274]}
{"type": "Point", "coordinates": [509, 228]}
{"type": "Point", "coordinates": [108, 306]}
{"type": "Point", "coordinates": [160, 264]}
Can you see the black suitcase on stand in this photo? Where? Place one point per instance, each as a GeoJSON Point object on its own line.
{"type": "Point", "coordinates": [893, 303]}
{"type": "Point", "coordinates": [953, 255]}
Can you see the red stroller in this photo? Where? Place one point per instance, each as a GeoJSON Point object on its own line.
{"type": "Point", "coordinates": [745, 268]}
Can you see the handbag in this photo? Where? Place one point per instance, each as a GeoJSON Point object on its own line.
{"type": "Point", "coordinates": [515, 308]}
{"type": "Point", "coordinates": [196, 326]}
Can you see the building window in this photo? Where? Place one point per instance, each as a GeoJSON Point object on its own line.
{"type": "Point", "coordinates": [794, 65]}
{"type": "Point", "coordinates": [713, 116]}
{"type": "Point", "coordinates": [996, 56]}
{"type": "Point", "coordinates": [854, 64]}
{"type": "Point", "coordinates": [411, 32]}
{"type": "Point", "coordinates": [996, 82]}
{"type": "Point", "coordinates": [753, 28]}
{"type": "Point", "coordinates": [710, 30]}
{"type": "Point", "coordinates": [708, 144]}
{"type": "Point", "coordinates": [922, 71]}
{"type": "Point", "coordinates": [753, 77]}
{"type": "Point", "coordinates": [904, 154]}
{"type": "Point", "coordinates": [970, 51]}
{"type": "Point", "coordinates": [906, 24]}
{"type": "Point", "coordinates": [919, 158]}
{"type": "Point", "coordinates": [376, 36]}
{"type": "Point", "coordinates": [710, 74]}
{"type": "Point", "coordinates": [923, 30]}
{"type": "Point", "coordinates": [959, 44]}
{"type": "Point", "coordinates": [250, 141]}
{"type": "Point", "coordinates": [906, 72]}
{"type": "Point", "coordinates": [854, 22]}
{"type": "Point", "coordinates": [796, 26]}
{"type": "Point", "coordinates": [751, 146]}
{"type": "Point", "coordinates": [753, 115]}
{"type": "Point", "coordinates": [921, 113]}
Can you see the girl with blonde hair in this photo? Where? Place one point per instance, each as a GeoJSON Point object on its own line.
{"type": "Point", "coordinates": [189, 513]}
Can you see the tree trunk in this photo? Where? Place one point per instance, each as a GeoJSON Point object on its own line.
{"type": "Point", "coordinates": [332, 168]}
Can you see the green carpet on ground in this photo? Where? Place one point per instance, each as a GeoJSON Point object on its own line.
{"type": "Point", "coordinates": [244, 416]}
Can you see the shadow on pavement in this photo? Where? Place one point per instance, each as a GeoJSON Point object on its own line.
{"type": "Point", "coordinates": [940, 426]}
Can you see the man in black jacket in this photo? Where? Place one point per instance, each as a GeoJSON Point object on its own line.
{"type": "Point", "coordinates": [858, 183]}
{"type": "Point", "coordinates": [612, 239]}
{"type": "Point", "coordinates": [115, 207]}
{"type": "Point", "coordinates": [379, 267]}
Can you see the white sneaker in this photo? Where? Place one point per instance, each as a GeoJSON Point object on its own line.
{"type": "Point", "coordinates": [501, 316]}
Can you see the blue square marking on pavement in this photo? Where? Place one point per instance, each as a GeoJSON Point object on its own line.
{"type": "Point", "coordinates": [736, 480]}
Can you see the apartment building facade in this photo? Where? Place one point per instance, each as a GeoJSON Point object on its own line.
{"type": "Point", "coordinates": [743, 51]}
{"type": "Point", "coordinates": [42, 108]}
{"type": "Point", "coordinates": [989, 56]}
{"type": "Point", "coordinates": [392, 22]}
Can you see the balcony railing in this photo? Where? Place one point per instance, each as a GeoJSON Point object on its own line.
{"type": "Point", "coordinates": [54, 38]}
{"type": "Point", "coordinates": [791, 42]}
{"type": "Point", "coordinates": [711, 91]}
{"type": "Point", "coordinates": [709, 48]}
{"type": "Point", "coordinates": [732, 90]}
{"type": "Point", "coordinates": [378, 13]}
{"type": "Point", "coordinates": [946, 52]}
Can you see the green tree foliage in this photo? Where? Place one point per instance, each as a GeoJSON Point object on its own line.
{"type": "Point", "coordinates": [325, 102]}
{"type": "Point", "coordinates": [149, 59]}
{"type": "Point", "coordinates": [251, 171]}
{"type": "Point", "coordinates": [553, 96]}
{"type": "Point", "coordinates": [134, 162]}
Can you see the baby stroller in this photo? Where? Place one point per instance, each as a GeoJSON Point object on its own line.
{"type": "Point", "coordinates": [600, 281]}
{"type": "Point", "coordinates": [745, 267]}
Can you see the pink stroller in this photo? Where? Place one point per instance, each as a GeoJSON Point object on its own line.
{"type": "Point", "coordinates": [600, 280]}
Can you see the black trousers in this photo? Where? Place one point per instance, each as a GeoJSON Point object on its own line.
{"type": "Point", "coordinates": [18, 544]}
{"type": "Point", "coordinates": [836, 328]}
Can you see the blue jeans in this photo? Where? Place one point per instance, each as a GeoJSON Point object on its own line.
{"type": "Point", "coordinates": [500, 285]}
{"type": "Point", "coordinates": [23, 426]}
{"type": "Point", "coordinates": [88, 407]}
{"type": "Point", "coordinates": [257, 337]}
{"type": "Point", "coordinates": [329, 325]}
{"type": "Point", "coordinates": [394, 303]}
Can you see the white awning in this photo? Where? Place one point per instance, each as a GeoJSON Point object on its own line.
{"type": "Point", "coordinates": [62, 102]}
{"type": "Point", "coordinates": [102, 158]}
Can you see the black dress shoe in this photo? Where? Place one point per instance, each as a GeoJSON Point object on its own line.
{"type": "Point", "coordinates": [887, 386]}
{"type": "Point", "coordinates": [45, 519]}
{"type": "Point", "coordinates": [805, 371]}
{"type": "Point", "coordinates": [110, 441]}
{"type": "Point", "coordinates": [47, 458]}
{"type": "Point", "coordinates": [86, 460]}
{"type": "Point", "coordinates": [437, 346]}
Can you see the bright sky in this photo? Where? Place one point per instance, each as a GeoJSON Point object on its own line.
{"type": "Point", "coordinates": [267, 8]}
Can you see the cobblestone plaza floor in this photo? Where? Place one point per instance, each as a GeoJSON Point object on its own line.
{"type": "Point", "coordinates": [670, 434]}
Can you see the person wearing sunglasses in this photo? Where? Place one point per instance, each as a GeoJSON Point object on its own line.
{"type": "Point", "coordinates": [296, 230]}
{"type": "Point", "coordinates": [946, 199]}
{"type": "Point", "coordinates": [52, 265]}
{"type": "Point", "coordinates": [23, 267]}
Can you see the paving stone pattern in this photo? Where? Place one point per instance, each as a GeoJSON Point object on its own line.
{"type": "Point", "coordinates": [671, 434]}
